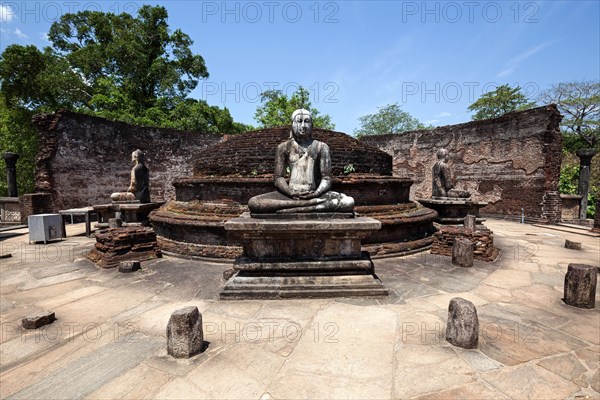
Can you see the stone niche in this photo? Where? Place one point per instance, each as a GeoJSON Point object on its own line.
{"type": "Point", "coordinates": [229, 173]}
{"type": "Point", "coordinates": [569, 206]}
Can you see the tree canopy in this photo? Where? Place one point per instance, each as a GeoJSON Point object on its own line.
{"type": "Point", "coordinates": [277, 108]}
{"type": "Point", "coordinates": [499, 102]}
{"type": "Point", "coordinates": [388, 119]}
{"type": "Point", "coordinates": [126, 68]}
{"type": "Point", "coordinates": [579, 103]}
{"type": "Point", "coordinates": [122, 67]}
{"type": "Point", "coordinates": [139, 55]}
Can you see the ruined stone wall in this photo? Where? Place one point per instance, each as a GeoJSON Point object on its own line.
{"type": "Point", "coordinates": [511, 162]}
{"type": "Point", "coordinates": [83, 159]}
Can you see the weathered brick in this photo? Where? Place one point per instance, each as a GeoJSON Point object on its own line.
{"type": "Point", "coordinates": [511, 162]}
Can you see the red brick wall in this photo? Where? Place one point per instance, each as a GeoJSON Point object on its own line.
{"type": "Point", "coordinates": [253, 153]}
{"type": "Point", "coordinates": [83, 159]}
{"type": "Point", "coordinates": [511, 162]}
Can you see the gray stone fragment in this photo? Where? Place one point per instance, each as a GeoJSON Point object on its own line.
{"type": "Point", "coordinates": [470, 222]}
{"type": "Point", "coordinates": [462, 328]}
{"type": "Point", "coordinates": [572, 245]}
{"type": "Point", "coordinates": [115, 222]}
{"type": "Point", "coordinates": [227, 274]}
{"type": "Point", "coordinates": [184, 333]}
{"type": "Point", "coordinates": [580, 286]}
{"type": "Point", "coordinates": [36, 320]}
{"type": "Point", "coordinates": [462, 252]}
{"type": "Point", "coordinates": [129, 266]}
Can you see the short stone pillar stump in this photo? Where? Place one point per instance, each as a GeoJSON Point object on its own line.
{"type": "Point", "coordinates": [572, 245]}
{"type": "Point", "coordinates": [580, 286]}
{"type": "Point", "coordinates": [129, 266]}
{"type": "Point", "coordinates": [310, 256]}
{"type": "Point", "coordinates": [470, 222]}
{"type": "Point", "coordinates": [462, 327]}
{"type": "Point", "coordinates": [124, 244]}
{"type": "Point", "coordinates": [185, 337]}
{"type": "Point", "coordinates": [462, 252]}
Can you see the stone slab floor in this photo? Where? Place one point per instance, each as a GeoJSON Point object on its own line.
{"type": "Point", "coordinates": [109, 340]}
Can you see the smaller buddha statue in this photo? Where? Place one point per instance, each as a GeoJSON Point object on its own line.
{"type": "Point", "coordinates": [139, 187]}
{"type": "Point", "coordinates": [442, 182]}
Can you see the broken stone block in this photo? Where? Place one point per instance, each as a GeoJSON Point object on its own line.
{"type": "Point", "coordinates": [580, 286]}
{"type": "Point", "coordinates": [462, 252]}
{"type": "Point", "coordinates": [462, 328]}
{"type": "Point", "coordinates": [184, 333]}
{"type": "Point", "coordinates": [572, 245]}
{"type": "Point", "coordinates": [470, 222]}
{"type": "Point", "coordinates": [129, 266]}
{"type": "Point", "coordinates": [115, 222]}
{"type": "Point", "coordinates": [37, 320]}
{"type": "Point", "coordinates": [227, 274]}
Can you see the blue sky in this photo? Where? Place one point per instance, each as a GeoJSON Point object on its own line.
{"type": "Point", "coordinates": [434, 58]}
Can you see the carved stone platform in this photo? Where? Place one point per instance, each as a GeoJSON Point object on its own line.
{"type": "Point", "coordinates": [309, 257]}
{"type": "Point", "coordinates": [452, 210]}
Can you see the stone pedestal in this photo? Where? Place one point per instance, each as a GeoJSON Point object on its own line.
{"type": "Point", "coordinates": [316, 256]}
{"type": "Point", "coordinates": [580, 286]}
{"type": "Point", "coordinates": [585, 162]}
{"type": "Point", "coordinates": [124, 244]}
{"type": "Point", "coordinates": [452, 211]}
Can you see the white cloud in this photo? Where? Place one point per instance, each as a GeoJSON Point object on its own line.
{"type": "Point", "coordinates": [44, 37]}
{"type": "Point", "coordinates": [513, 63]}
{"type": "Point", "coordinates": [3, 30]}
{"type": "Point", "coordinates": [505, 72]}
{"type": "Point", "coordinates": [431, 121]}
{"type": "Point", "coordinates": [444, 114]}
{"type": "Point", "coordinates": [20, 34]}
{"type": "Point", "coordinates": [6, 13]}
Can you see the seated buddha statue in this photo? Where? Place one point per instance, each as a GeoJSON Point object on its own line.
{"type": "Point", "coordinates": [308, 162]}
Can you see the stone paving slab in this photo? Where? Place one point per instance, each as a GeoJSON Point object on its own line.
{"type": "Point", "coordinates": [532, 345]}
{"type": "Point", "coordinates": [92, 371]}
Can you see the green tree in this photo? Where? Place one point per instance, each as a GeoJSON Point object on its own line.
{"type": "Point", "coordinates": [389, 119]}
{"type": "Point", "coordinates": [121, 67]}
{"type": "Point", "coordinates": [569, 179]}
{"type": "Point", "coordinates": [39, 80]}
{"type": "Point", "coordinates": [139, 55]}
{"type": "Point", "coordinates": [18, 135]}
{"type": "Point", "coordinates": [579, 103]}
{"type": "Point", "coordinates": [277, 108]}
{"type": "Point", "coordinates": [499, 102]}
